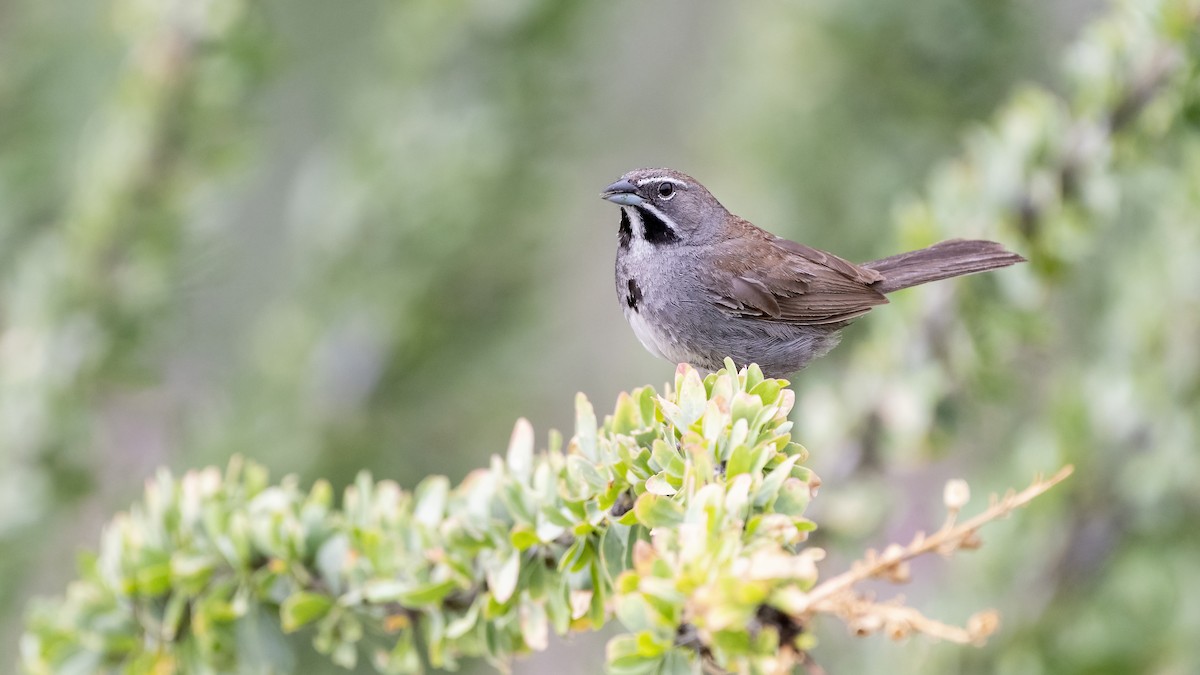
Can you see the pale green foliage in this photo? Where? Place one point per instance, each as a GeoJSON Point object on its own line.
{"type": "Point", "coordinates": [1086, 355]}
{"type": "Point", "coordinates": [86, 297]}
{"type": "Point", "coordinates": [461, 137]}
{"type": "Point", "coordinates": [537, 542]}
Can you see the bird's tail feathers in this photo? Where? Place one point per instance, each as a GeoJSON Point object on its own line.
{"type": "Point", "coordinates": [951, 258]}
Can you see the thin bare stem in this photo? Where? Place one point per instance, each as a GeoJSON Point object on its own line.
{"type": "Point", "coordinates": [947, 538]}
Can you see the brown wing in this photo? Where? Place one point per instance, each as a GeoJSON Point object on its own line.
{"type": "Point", "coordinates": [790, 282]}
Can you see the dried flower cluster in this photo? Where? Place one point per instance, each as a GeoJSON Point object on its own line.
{"type": "Point", "coordinates": [865, 616]}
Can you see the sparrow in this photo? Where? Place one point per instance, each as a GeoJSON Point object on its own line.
{"type": "Point", "coordinates": [699, 284]}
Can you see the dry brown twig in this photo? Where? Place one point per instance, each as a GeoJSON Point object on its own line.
{"type": "Point", "coordinates": [864, 615]}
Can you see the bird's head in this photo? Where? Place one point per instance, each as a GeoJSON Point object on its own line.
{"type": "Point", "coordinates": [664, 206]}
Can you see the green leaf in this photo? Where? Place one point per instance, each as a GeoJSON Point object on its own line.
{"type": "Point", "coordinates": [624, 657]}
{"type": "Point", "coordinates": [715, 422]}
{"type": "Point", "coordinates": [754, 376]}
{"type": "Point", "coordinates": [798, 450]}
{"type": "Point", "coordinates": [558, 606]}
{"type": "Point", "coordinates": [722, 385]}
{"type": "Point", "coordinates": [767, 390]}
{"type": "Point", "coordinates": [502, 579]}
{"type": "Point", "coordinates": [732, 641]}
{"type": "Point", "coordinates": [403, 658]}
{"type": "Point", "coordinates": [663, 455]}
{"type": "Point", "coordinates": [173, 615]}
{"type": "Point", "coordinates": [408, 593]}
{"type": "Point", "coordinates": [577, 555]}
{"type": "Point", "coordinates": [677, 662]}
{"type": "Point", "coordinates": [793, 497]}
{"type": "Point", "coordinates": [520, 450]}
{"type": "Point", "coordinates": [740, 461]}
{"type": "Point", "coordinates": [737, 495]}
{"type": "Point", "coordinates": [548, 530]}
{"type": "Point", "coordinates": [345, 654]}
{"type": "Point", "coordinates": [649, 645]}
{"type": "Point", "coordinates": [612, 551]}
{"type": "Point", "coordinates": [584, 469]}
{"type": "Point", "coordinates": [255, 478]}
{"type": "Point", "coordinates": [535, 626]}
{"type": "Point", "coordinates": [627, 417]}
{"type": "Point", "coordinates": [646, 404]}
{"type": "Point", "coordinates": [301, 609]}
{"type": "Point", "coordinates": [746, 406]}
{"type": "Point", "coordinates": [153, 579]}
{"type": "Point", "coordinates": [554, 441]}
{"type": "Point", "coordinates": [378, 591]}
{"type": "Point", "coordinates": [430, 499]}
{"type": "Point", "coordinates": [321, 494]}
{"type": "Point", "coordinates": [523, 537]}
{"type": "Point", "coordinates": [691, 398]}
{"type": "Point", "coordinates": [773, 481]}
{"type": "Point", "coordinates": [435, 639]}
{"type": "Point", "coordinates": [459, 626]}
{"type": "Point", "coordinates": [190, 573]}
{"type": "Point", "coordinates": [655, 511]}
{"type": "Point", "coordinates": [598, 608]}
{"type": "Point", "coordinates": [427, 594]}
{"type": "Point", "coordinates": [585, 428]}
{"type": "Point", "coordinates": [659, 485]}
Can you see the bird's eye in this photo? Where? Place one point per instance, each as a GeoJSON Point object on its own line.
{"type": "Point", "coordinates": [666, 190]}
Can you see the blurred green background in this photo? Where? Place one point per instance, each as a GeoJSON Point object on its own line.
{"type": "Point", "coordinates": [336, 236]}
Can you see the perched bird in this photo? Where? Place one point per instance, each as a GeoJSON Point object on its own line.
{"type": "Point", "coordinates": [698, 283]}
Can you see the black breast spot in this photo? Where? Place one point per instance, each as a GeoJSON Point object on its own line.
{"type": "Point", "coordinates": [634, 297]}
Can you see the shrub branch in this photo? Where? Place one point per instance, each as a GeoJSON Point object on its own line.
{"type": "Point", "coordinates": [681, 515]}
{"type": "Point", "coordinates": [837, 596]}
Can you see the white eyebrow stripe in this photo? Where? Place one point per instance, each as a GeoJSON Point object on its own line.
{"type": "Point", "coordinates": [662, 179]}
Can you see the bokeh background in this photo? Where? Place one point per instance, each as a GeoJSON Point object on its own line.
{"type": "Point", "coordinates": [337, 236]}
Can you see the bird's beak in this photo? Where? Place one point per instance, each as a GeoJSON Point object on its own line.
{"type": "Point", "coordinates": [622, 192]}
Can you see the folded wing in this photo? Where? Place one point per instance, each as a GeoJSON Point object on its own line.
{"type": "Point", "coordinates": [793, 283]}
